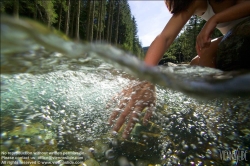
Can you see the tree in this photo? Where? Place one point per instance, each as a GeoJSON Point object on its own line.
{"type": "Point", "coordinates": [35, 10]}
{"type": "Point", "coordinates": [88, 19]}
{"type": "Point", "coordinates": [117, 23]}
{"type": "Point", "coordinates": [49, 11]}
{"type": "Point", "coordinates": [60, 15]}
{"type": "Point", "coordinates": [108, 22]}
{"type": "Point", "coordinates": [137, 48]}
{"type": "Point", "coordinates": [16, 9]}
{"type": "Point", "coordinates": [99, 24]}
{"type": "Point", "coordinates": [92, 21]}
{"type": "Point", "coordinates": [111, 21]}
{"type": "Point", "coordinates": [103, 16]}
{"type": "Point", "coordinates": [125, 37]}
{"type": "Point", "coordinates": [67, 18]}
{"type": "Point", "coordinates": [77, 20]}
{"type": "Point", "coordinates": [73, 18]}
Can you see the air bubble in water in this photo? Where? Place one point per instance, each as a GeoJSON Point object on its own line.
{"type": "Point", "coordinates": [110, 154]}
{"type": "Point", "coordinates": [7, 143]}
{"type": "Point", "coordinates": [62, 111]}
{"type": "Point", "coordinates": [27, 140]}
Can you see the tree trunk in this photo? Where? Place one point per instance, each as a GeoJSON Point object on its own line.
{"type": "Point", "coordinates": [117, 24]}
{"type": "Point", "coordinates": [60, 16]}
{"type": "Point", "coordinates": [77, 20]}
{"type": "Point", "coordinates": [98, 21]}
{"type": "Point", "coordinates": [48, 21]}
{"type": "Point", "coordinates": [108, 23]}
{"type": "Point", "coordinates": [89, 18]}
{"type": "Point", "coordinates": [16, 9]}
{"type": "Point", "coordinates": [111, 22]}
{"type": "Point", "coordinates": [67, 19]}
{"type": "Point", "coordinates": [92, 21]}
{"type": "Point", "coordinates": [102, 36]}
{"type": "Point", "coordinates": [41, 15]}
{"type": "Point", "coordinates": [45, 6]}
{"type": "Point", "coordinates": [35, 10]}
{"type": "Point", "coordinates": [73, 14]}
{"type": "Point", "coordinates": [101, 24]}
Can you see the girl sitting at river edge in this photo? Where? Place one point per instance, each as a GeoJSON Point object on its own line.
{"type": "Point", "coordinates": [225, 15]}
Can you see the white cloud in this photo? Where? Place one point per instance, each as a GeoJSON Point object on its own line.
{"type": "Point", "coordinates": [151, 18]}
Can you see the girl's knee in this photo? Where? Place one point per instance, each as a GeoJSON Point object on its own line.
{"type": "Point", "coordinates": [195, 60]}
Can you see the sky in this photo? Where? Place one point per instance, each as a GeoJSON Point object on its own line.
{"type": "Point", "coordinates": [151, 17]}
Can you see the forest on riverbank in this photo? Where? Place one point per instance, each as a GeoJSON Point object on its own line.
{"type": "Point", "coordinates": [108, 21]}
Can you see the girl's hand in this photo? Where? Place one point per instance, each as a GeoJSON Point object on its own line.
{"type": "Point", "coordinates": [203, 40]}
{"type": "Point", "coordinates": [132, 102]}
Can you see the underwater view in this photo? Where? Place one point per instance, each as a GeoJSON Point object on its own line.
{"type": "Point", "coordinates": [57, 96]}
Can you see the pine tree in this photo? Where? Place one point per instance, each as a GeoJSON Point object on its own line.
{"type": "Point", "coordinates": [16, 9]}
{"type": "Point", "coordinates": [67, 18]}
{"type": "Point", "coordinates": [118, 20]}
{"type": "Point", "coordinates": [92, 21]}
{"type": "Point", "coordinates": [77, 20]}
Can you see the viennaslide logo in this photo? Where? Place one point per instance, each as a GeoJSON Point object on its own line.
{"type": "Point", "coordinates": [235, 155]}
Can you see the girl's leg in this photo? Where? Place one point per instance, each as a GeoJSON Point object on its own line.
{"type": "Point", "coordinates": [208, 55]}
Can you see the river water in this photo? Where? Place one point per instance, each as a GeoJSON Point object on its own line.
{"type": "Point", "coordinates": [54, 94]}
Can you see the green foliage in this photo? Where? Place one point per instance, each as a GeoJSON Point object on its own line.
{"type": "Point", "coordinates": [48, 6]}
{"type": "Point", "coordinates": [172, 53]}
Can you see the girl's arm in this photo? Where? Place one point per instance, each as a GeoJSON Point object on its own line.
{"type": "Point", "coordinates": [240, 10]}
{"type": "Point", "coordinates": [163, 41]}
{"type": "Point", "coordinates": [145, 91]}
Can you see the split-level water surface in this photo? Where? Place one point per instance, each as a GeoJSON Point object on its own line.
{"type": "Point", "coordinates": [54, 96]}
